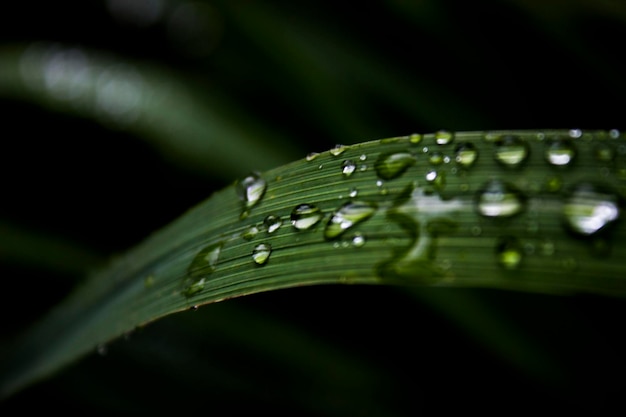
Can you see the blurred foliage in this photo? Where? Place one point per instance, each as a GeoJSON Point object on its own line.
{"type": "Point", "coordinates": [225, 87]}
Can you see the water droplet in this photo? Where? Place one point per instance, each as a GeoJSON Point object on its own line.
{"type": "Point", "coordinates": [337, 150]}
{"type": "Point", "coordinates": [614, 134]}
{"type": "Point", "coordinates": [305, 216]}
{"type": "Point", "coordinates": [250, 190]}
{"type": "Point", "coordinates": [311, 156]}
{"type": "Point", "coordinates": [353, 192]}
{"type": "Point", "coordinates": [261, 253]}
{"type": "Point", "coordinates": [148, 281]}
{"type": "Point", "coordinates": [358, 240]}
{"type": "Point", "coordinates": [347, 216]}
{"type": "Point", "coordinates": [194, 308]}
{"type": "Point", "coordinates": [102, 349]}
{"type": "Point", "coordinates": [392, 165]}
{"type": "Point", "coordinates": [272, 223]}
{"type": "Point", "coordinates": [590, 209]}
{"type": "Point", "coordinates": [435, 158]}
{"type": "Point", "coordinates": [560, 152]}
{"type": "Point", "coordinates": [202, 265]}
{"type": "Point", "coordinates": [363, 157]}
{"type": "Point", "coordinates": [415, 138]}
{"type": "Point", "coordinates": [575, 133]}
{"type": "Point", "coordinates": [511, 150]}
{"type": "Point", "coordinates": [500, 199]}
{"type": "Point", "coordinates": [435, 178]}
{"type": "Point", "coordinates": [348, 167]}
{"type": "Point", "coordinates": [509, 252]}
{"type": "Point", "coordinates": [250, 233]}
{"type": "Point", "coordinates": [443, 137]}
{"type": "Point", "coordinates": [465, 154]}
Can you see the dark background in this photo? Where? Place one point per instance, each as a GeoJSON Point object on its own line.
{"type": "Point", "coordinates": [313, 74]}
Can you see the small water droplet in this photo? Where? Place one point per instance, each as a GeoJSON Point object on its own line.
{"type": "Point", "coordinates": [392, 165]}
{"type": "Point", "coordinates": [589, 209]}
{"type": "Point", "coordinates": [511, 150]}
{"type": "Point", "coordinates": [347, 216]}
{"type": "Point", "coordinates": [435, 158]}
{"type": "Point", "coordinates": [305, 216]}
{"type": "Point", "coordinates": [337, 150]}
{"type": "Point", "coordinates": [560, 152]}
{"type": "Point", "coordinates": [437, 179]}
{"type": "Point", "coordinates": [102, 349]}
{"type": "Point", "coordinates": [614, 134]}
{"type": "Point", "coordinates": [348, 167]}
{"type": "Point", "coordinates": [465, 154]}
{"type": "Point", "coordinates": [443, 137]}
{"type": "Point", "coordinates": [509, 252]}
{"type": "Point", "coordinates": [415, 138]}
{"type": "Point", "coordinates": [575, 133]}
{"type": "Point", "coordinates": [358, 240]}
{"type": "Point", "coordinates": [500, 199]}
{"type": "Point", "coordinates": [261, 253]}
{"type": "Point", "coordinates": [250, 190]}
{"type": "Point", "coordinates": [363, 157]}
{"type": "Point", "coordinates": [250, 233]}
{"type": "Point", "coordinates": [272, 223]}
{"type": "Point", "coordinates": [311, 156]}
{"type": "Point", "coordinates": [363, 168]}
{"type": "Point", "coordinates": [194, 308]}
{"type": "Point", "coordinates": [353, 192]}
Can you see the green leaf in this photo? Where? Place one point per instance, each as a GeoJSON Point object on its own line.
{"type": "Point", "coordinates": [532, 211]}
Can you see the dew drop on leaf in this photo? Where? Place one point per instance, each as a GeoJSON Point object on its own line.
{"type": "Point", "coordinates": [250, 190]}
{"type": "Point", "coordinates": [391, 165]}
{"type": "Point", "coordinates": [337, 150]}
{"type": "Point", "coordinates": [305, 216]}
{"type": "Point", "coordinates": [465, 154]}
{"type": "Point", "coordinates": [312, 155]}
{"type": "Point", "coordinates": [560, 152]}
{"type": "Point", "coordinates": [348, 167]}
{"type": "Point", "coordinates": [589, 209]}
{"type": "Point", "coordinates": [436, 158]}
{"type": "Point", "coordinates": [415, 138]}
{"type": "Point", "coordinates": [202, 265]}
{"type": "Point", "coordinates": [261, 253]}
{"type": "Point", "coordinates": [250, 233]}
{"type": "Point", "coordinates": [443, 137]}
{"type": "Point", "coordinates": [509, 252]}
{"type": "Point", "coordinates": [511, 150]}
{"type": "Point", "coordinates": [499, 199]}
{"type": "Point", "coordinates": [358, 240]}
{"type": "Point", "coordinates": [272, 223]}
{"type": "Point", "coordinates": [347, 216]}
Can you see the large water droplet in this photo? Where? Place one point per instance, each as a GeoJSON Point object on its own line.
{"type": "Point", "coordinates": [511, 150]}
{"type": "Point", "coordinates": [305, 216]}
{"type": "Point", "coordinates": [261, 253]}
{"type": "Point", "coordinates": [589, 209]}
{"type": "Point", "coordinates": [272, 223]}
{"type": "Point", "coordinates": [465, 154]}
{"type": "Point", "coordinates": [202, 265]}
{"type": "Point", "coordinates": [500, 199]}
{"type": "Point", "coordinates": [509, 252]}
{"type": "Point", "coordinates": [443, 137]}
{"type": "Point", "coordinates": [348, 167]}
{"type": "Point", "coordinates": [250, 190]}
{"type": "Point", "coordinates": [347, 216]}
{"type": "Point", "coordinates": [392, 165]}
{"type": "Point", "coordinates": [560, 152]}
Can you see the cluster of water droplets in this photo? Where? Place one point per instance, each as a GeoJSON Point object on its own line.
{"type": "Point", "coordinates": [586, 209]}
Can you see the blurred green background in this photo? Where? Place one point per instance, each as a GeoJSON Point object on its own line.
{"type": "Point", "coordinates": [120, 115]}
